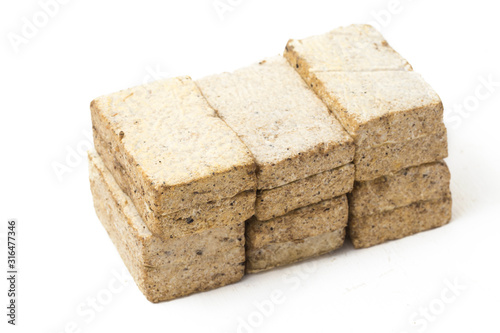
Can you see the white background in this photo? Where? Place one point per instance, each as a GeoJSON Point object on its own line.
{"type": "Point", "coordinates": [90, 48]}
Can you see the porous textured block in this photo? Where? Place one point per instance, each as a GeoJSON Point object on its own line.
{"type": "Point", "coordinates": [284, 124]}
{"type": "Point", "coordinates": [279, 254]}
{"type": "Point", "coordinates": [388, 158]}
{"type": "Point", "coordinates": [303, 192]}
{"type": "Point", "coordinates": [358, 47]}
{"type": "Point", "coordinates": [369, 230]}
{"type": "Point", "coordinates": [372, 91]}
{"type": "Point", "coordinates": [165, 269]}
{"type": "Point", "coordinates": [424, 182]}
{"type": "Point", "coordinates": [300, 234]}
{"type": "Point", "coordinates": [380, 107]}
{"type": "Point", "coordinates": [173, 148]}
{"type": "Point", "coordinates": [184, 222]}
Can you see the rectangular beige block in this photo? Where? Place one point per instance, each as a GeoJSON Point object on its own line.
{"type": "Point", "coordinates": [419, 183]}
{"type": "Point", "coordinates": [369, 230]}
{"type": "Point", "coordinates": [358, 47]}
{"type": "Point", "coordinates": [300, 193]}
{"type": "Point", "coordinates": [172, 147]}
{"type": "Point", "coordinates": [279, 254]}
{"type": "Point", "coordinates": [165, 269]}
{"type": "Point", "coordinates": [185, 222]}
{"type": "Point", "coordinates": [284, 124]}
{"type": "Point", "coordinates": [380, 107]}
{"type": "Point", "coordinates": [389, 158]}
{"type": "Point", "coordinates": [303, 233]}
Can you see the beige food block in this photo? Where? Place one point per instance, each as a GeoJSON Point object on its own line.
{"type": "Point", "coordinates": [419, 183]}
{"type": "Point", "coordinates": [303, 192]}
{"type": "Point", "coordinates": [381, 107]}
{"type": "Point", "coordinates": [303, 233]}
{"type": "Point", "coordinates": [388, 158]}
{"type": "Point", "coordinates": [369, 230]}
{"type": "Point", "coordinates": [358, 47]}
{"type": "Point", "coordinates": [170, 268]}
{"type": "Point", "coordinates": [279, 254]}
{"type": "Point", "coordinates": [284, 124]}
{"type": "Point", "coordinates": [172, 147]}
{"type": "Point", "coordinates": [184, 222]}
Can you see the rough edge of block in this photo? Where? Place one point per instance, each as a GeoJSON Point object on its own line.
{"type": "Point", "coordinates": [367, 231]}
{"type": "Point", "coordinates": [307, 191]}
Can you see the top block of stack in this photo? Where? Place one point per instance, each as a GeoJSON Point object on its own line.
{"type": "Point", "coordinates": [393, 115]}
{"type": "Point", "coordinates": [285, 126]}
{"type": "Point", "coordinates": [168, 150]}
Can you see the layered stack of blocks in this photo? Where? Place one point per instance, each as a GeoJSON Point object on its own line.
{"type": "Point", "coordinates": [199, 182]}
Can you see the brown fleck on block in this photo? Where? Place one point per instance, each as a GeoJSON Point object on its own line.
{"type": "Point", "coordinates": [165, 268]}
{"type": "Point", "coordinates": [300, 234]}
{"type": "Point", "coordinates": [185, 222]}
{"type": "Point", "coordinates": [358, 47]}
{"type": "Point", "coordinates": [419, 183]}
{"type": "Point", "coordinates": [388, 158]}
{"type": "Point", "coordinates": [284, 124]}
{"type": "Point", "coordinates": [303, 192]}
{"type": "Point", "coordinates": [173, 148]}
{"type": "Point", "coordinates": [366, 231]}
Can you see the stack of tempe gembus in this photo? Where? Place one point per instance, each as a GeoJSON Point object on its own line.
{"type": "Point", "coordinates": [198, 183]}
{"type": "Point", "coordinates": [303, 161]}
{"type": "Point", "coordinates": [395, 119]}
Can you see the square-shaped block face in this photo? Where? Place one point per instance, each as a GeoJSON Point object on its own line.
{"type": "Point", "coordinates": [204, 260]}
{"type": "Point", "coordinates": [287, 128]}
{"type": "Point", "coordinates": [381, 107]}
{"type": "Point", "coordinates": [358, 47]}
{"type": "Point", "coordinates": [171, 144]}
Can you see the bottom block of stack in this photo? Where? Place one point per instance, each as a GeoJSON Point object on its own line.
{"type": "Point", "coordinates": [412, 200]}
{"type": "Point", "coordinates": [165, 269]}
{"type": "Point", "coordinates": [303, 233]}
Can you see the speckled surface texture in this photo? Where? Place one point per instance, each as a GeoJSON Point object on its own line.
{"type": "Point", "coordinates": [358, 47]}
{"type": "Point", "coordinates": [279, 254]}
{"type": "Point", "coordinates": [283, 123]}
{"type": "Point", "coordinates": [165, 269]}
{"type": "Point", "coordinates": [380, 107]}
{"type": "Point", "coordinates": [388, 158]}
{"type": "Point", "coordinates": [293, 229]}
{"type": "Point", "coordinates": [419, 183]}
{"type": "Point", "coordinates": [300, 193]}
{"type": "Point", "coordinates": [175, 150]}
{"type": "Point", "coordinates": [366, 231]}
{"type": "Point", "coordinates": [196, 218]}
